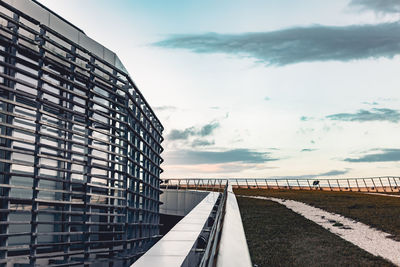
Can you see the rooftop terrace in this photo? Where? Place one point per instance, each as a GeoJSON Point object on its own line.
{"type": "Point", "coordinates": [300, 222]}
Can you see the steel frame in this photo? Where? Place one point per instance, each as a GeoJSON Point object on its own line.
{"type": "Point", "coordinates": [79, 152]}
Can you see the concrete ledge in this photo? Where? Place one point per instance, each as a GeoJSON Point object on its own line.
{"type": "Point", "coordinates": [173, 248]}
{"type": "Point", "coordinates": [233, 250]}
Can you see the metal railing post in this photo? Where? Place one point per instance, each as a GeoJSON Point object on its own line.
{"type": "Point", "coordinates": [376, 189]}
{"type": "Point", "coordinates": [397, 186]}
{"type": "Point", "coordinates": [358, 186]}
{"type": "Point", "coordinates": [329, 184]}
{"type": "Point", "coordinates": [365, 185]}
{"type": "Point", "coordinates": [383, 187]}
{"type": "Point", "coordinates": [390, 184]}
{"type": "Point", "coordinates": [340, 189]}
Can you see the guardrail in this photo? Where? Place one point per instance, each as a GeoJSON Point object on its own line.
{"type": "Point", "coordinates": [216, 184]}
{"type": "Point", "coordinates": [369, 184]}
{"type": "Point", "coordinates": [210, 254]}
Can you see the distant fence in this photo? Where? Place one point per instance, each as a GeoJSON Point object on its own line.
{"type": "Point", "coordinates": [371, 184]}
{"type": "Point", "coordinates": [216, 184]}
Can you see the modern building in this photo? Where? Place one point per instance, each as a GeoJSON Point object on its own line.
{"type": "Point", "coordinates": [79, 147]}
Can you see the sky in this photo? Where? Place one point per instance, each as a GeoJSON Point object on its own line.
{"type": "Point", "coordinates": [255, 88]}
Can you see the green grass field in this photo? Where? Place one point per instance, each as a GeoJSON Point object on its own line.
{"type": "Point", "coordinates": [277, 236]}
{"type": "Point", "coordinates": [380, 212]}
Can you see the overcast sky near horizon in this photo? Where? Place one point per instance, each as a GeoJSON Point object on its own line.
{"type": "Point", "coordinates": [261, 88]}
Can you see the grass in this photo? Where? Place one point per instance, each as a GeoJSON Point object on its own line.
{"type": "Point", "coordinates": [380, 212]}
{"type": "Point", "coordinates": [277, 236]}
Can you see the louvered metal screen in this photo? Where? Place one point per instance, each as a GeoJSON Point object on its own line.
{"type": "Point", "coordinates": [79, 153]}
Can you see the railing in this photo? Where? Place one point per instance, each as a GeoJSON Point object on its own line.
{"type": "Point", "coordinates": [371, 184]}
{"type": "Point", "coordinates": [209, 257]}
{"type": "Point", "coordinates": [195, 183]}
{"type": "Point", "coordinates": [210, 252]}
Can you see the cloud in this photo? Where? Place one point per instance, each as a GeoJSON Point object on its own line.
{"type": "Point", "coordinates": [208, 128]}
{"type": "Point", "coordinates": [379, 6]}
{"type": "Point", "coordinates": [386, 155]}
{"type": "Point", "coordinates": [304, 118]}
{"type": "Point", "coordinates": [334, 173]}
{"type": "Point", "coordinates": [201, 142]}
{"type": "Point", "coordinates": [301, 44]}
{"type": "Point", "coordinates": [370, 103]}
{"type": "Point", "coordinates": [375, 114]}
{"type": "Point", "coordinates": [163, 108]}
{"type": "Point", "coordinates": [307, 150]}
{"type": "Point", "coordinates": [181, 135]}
{"type": "Point", "coordinates": [184, 157]}
{"type": "Point", "coordinates": [205, 130]}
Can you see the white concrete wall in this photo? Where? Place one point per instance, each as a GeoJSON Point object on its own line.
{"type": "Point", "coordinates": [180, 202]}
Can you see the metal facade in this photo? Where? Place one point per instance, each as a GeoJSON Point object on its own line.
{"type": "Point", "coordinates": [79, 152]}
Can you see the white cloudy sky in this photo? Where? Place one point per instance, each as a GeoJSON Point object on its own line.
{"type": "Point", "coordinates": [261, 88]}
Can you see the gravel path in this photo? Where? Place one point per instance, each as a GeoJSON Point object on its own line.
{"type": "Point", "coordinates": [385, 195]}
{"type": "Point", "coordinates": [376, 242]}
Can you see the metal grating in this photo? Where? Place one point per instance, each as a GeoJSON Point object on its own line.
{"type": "Point", "coordinates": [79, 153]}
